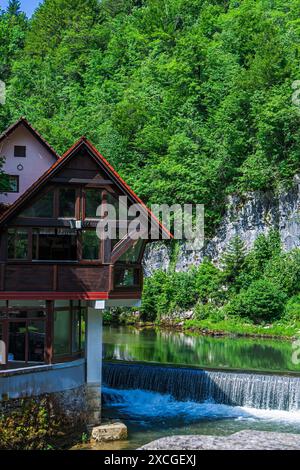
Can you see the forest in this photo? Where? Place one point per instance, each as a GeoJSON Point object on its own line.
{"type": "Point", "coordinates": [191, 100]}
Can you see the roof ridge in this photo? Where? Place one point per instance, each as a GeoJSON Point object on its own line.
{"type": "Point", "coordinates": [23, 120]}
{"type": "Point", "coordinates": [115, 175]}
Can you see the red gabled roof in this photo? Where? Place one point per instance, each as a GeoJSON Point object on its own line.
{"type": "Point", "coordinates": [34, 132]}
{"type": "Point", "coordinates": [83, 141]}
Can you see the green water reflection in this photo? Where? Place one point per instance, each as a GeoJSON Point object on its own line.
{"type": "Point", "coordinates": [155, 345]}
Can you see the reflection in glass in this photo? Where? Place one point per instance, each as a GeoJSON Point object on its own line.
{"type": "Point", "coordinates": [54, 244]}
{"type": "Point", "coordinates": [17, 243]}
{"type": "Point", "coordinates": [36, 341]}
{"type": "Point", "coordinates": [67, 197]}
{"type": "Point", "coordinates": [43, 207]}
{"type": "Point", "coordinates": [93, 199]}
{"type": "Point", "coordinates": [133, 253]}
{"type": "Point", "coordinates": [90, 245]}
{"type": "Point", "coordinates": [62, 332]}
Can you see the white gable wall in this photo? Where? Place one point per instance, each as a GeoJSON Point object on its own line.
{"type": "Point", "coordinates": [38, 160]}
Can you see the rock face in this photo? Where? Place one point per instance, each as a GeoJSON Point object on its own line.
{"type": "Point", "coordinates": [247, 217]}
{"type": "Point", "coordinates": [243, 440]}
{"type": "Point", "coordinates": [109, 432]}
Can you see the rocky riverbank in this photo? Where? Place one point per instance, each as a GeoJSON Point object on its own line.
{"type": "Point", "coordinates": [243, 440]}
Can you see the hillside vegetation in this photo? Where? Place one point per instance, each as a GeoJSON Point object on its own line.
{"type": "Point", "coordinates": [189, 99]}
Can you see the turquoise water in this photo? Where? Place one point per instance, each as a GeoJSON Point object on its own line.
{"type": "Point", "coordinates": [150, 415]}
{"type": "Point", "coordinates": [169, 347]}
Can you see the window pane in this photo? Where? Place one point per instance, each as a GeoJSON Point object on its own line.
{"type": "Point", "coordinates": [17, 338]}
{"type": "Point", "coordinates": [132, 255]}
{"type": "Point", "coordinates": [20, 151]}
{"type": "Point", "coordinates": [36, 341]}
{"type": "Point", "coordinates": [67, 197]}
{"type": "Point", "coordinates": [54, 245]}
{"type": "Point", "coordinates": [114, 202]}
{"type": "Point", "coordinates": [90, 245]}
{"type": "Point", "coordinates": [27, 313]}
{"type": "Point", "coordinates": [126, 277]}
{"type": "Point", "coordinates": [76, 331]}
{"type": "Point", "coordinates": [62, 333]}
{"type": "Point", "coordinates": [93, 199]}
{"type": "Point", "coordinates": [13, 182]}
{"type": "Point", "coordinates": [17, 244]}
{"type": "Point", "coordinates": [41, 208]}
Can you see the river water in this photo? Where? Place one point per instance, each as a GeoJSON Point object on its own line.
{"type": "Point", "coordinates": [161, 391]}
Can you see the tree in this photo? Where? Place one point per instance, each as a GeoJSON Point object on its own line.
{"type": "Point", "coordinates": [263, 301]}
{"type": "Point", "coordinates": [233, 260]}
{"type": "Point", "coordinates": [14, 7]}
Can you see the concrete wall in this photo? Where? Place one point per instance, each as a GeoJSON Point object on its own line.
{"type": "Point", "coordinates": [38, 159]}
{"type": "Point", "coordinates": [34, 381]}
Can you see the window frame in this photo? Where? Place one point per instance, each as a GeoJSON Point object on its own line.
{"type": "Point", "coordinates": [29, 244]}
{"type": "Point", "coordinates": [17, 179]}
{"type": "Point", "coordinates": [20, 147]}
{"type": "Point", "coordinates": [35, 233]}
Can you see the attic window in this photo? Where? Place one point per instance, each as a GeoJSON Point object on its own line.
{"type": "Point", "coordinates": [20, 151]}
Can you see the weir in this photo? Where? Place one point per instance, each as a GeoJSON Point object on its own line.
{"type": "Point", "coordinates": [261, 391]}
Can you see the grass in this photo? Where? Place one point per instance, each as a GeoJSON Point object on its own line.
{"type": "Point", "coordinates": [242, 328]}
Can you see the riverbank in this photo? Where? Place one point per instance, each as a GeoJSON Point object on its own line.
{"type": "Point", "coordinates": [229, 327]}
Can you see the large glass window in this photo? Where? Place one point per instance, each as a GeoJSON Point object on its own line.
{"type": "Point", "coordinates": [133, 253]}
{"type": "Point", "coordinates": [67, 198]}
{"type": "Point", "coordinates": [126, 277]}
{"type": "Point", "coordinates": [68, 328]}
{"type": "Point", "coordinates": [90, 245]}
{"type": "Point", "coordinates": [17, 244]}
{"type": "Point", "coordinates": [54, 244]}
{"type": "Point", "coordinates": [43, 207]}
{"type": "Point", "coordinates": [62, 332]}
{"type": "Point", "coordinates": [93, 199]}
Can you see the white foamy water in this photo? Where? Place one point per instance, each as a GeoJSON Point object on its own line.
{"type": "Point", "coordinates": [141, 404]}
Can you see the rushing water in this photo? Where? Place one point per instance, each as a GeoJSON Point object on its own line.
{"type": "Point", "coordinates": [169, 347]}
{"type": "Point", "coordinates": [273, 392]}
{"type": "Point", "coordinates": [159, 400]}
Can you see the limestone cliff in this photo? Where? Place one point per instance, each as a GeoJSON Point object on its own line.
{"type": "Point", "coordinates": [248, 217]}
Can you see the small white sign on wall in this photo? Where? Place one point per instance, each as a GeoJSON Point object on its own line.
{"type": "Point", "coordinates": [2, 353]}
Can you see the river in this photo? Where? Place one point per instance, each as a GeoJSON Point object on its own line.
{"type": "Point", "coordinates": [155, 394]}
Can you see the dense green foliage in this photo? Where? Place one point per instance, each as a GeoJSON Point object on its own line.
{"type": "Point", "coordinates": [260, 287]}
{"type": "Point", "coordinates": [31, 427]}
{"type": "Point", "coordinates": [189, 99]}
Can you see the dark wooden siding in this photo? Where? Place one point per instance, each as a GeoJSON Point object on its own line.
{"type": "Point", "coordinates": [83, 279]}
{"type": "Point", "coordinates": [28, 278]}
{"type": "Point", "coordinates": [54, 278]}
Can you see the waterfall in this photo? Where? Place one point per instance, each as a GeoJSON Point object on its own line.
{"type": "Point", "coordinates": [275, 392]}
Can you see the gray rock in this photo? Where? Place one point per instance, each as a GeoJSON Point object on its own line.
{"type": "Point", "coordinates": [248, 216]}
{"type": "Point", "coordinates": [243, 440]}
{"type": "Point", "coordinates": [109, 432]}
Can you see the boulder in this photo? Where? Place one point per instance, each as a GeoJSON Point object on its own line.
{"type": "Point", "coordinates": [243, 440]}
{"type": "Point", "coordinates": [109, 432]}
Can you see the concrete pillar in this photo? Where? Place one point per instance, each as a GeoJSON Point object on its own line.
{"type": "Point", "coordinates": [93, 366]}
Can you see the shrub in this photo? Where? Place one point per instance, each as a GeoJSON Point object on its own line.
{"type": "Point", "coordinates": [233, 260]}
{"type": "Point", "coordinates": [284, 271]}
{"type": "Point", "coordinates": [209, 282]}
{"type": "Point", "coordinates": [262, 301]}
{"type": "Point", "coordinates": [265, 248]}
{"type": "Point", "coordinates": [29, 428]}
{"type": "Point", "coordinates": [203, 311]}
{"type": "Point", "coordinates": [292, 309]}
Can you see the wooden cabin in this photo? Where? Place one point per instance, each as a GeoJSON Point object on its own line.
{"type": "Point", "coordinates": [55, 272]}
